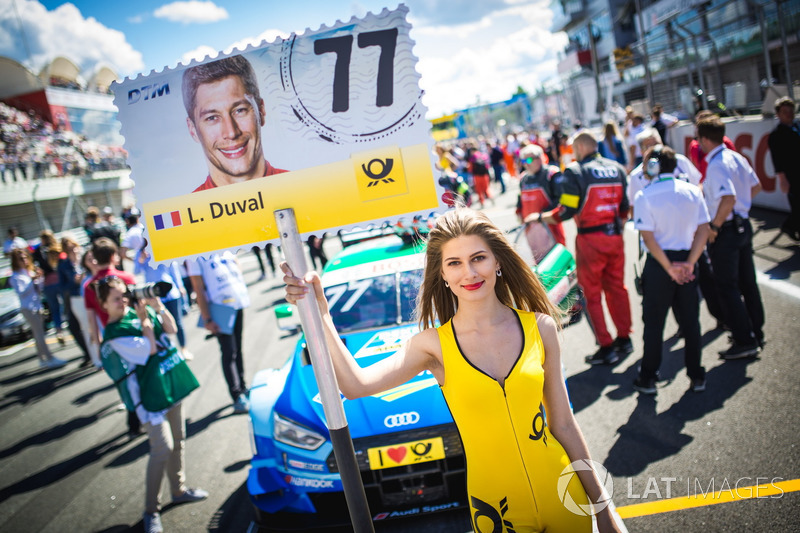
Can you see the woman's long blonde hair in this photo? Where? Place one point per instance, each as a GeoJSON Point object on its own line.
{"type": "Point", "coordinates": [21, 260]}
{"type": "Point", "coordinates": [518, 286]}
{"type": "Point", "coordinates": [50, 247]}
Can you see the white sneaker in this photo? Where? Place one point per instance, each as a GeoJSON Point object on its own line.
{"type": "Point", "coordinates": [152, 523]}
{"type": "Point", "coordinates": [241, 405]}
{"type": "Point", "coordinates": [55, 362]}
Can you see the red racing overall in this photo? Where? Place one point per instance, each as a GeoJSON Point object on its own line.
{"type": "Point", "coordinates": [593, 191]}
{"type": "Point", "coordinates": [540, 192]}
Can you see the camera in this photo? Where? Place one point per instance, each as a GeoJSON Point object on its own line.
{"type": "Point", "coordinates": [158, 289]}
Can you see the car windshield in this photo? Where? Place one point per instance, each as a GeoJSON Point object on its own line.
{"type": "Point", "coordinates": [381, 301]}
{"type": "Point", "coordinates": [533, 242]}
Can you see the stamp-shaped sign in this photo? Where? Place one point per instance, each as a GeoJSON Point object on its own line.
{"type": "Point", "coordinates": [329, 123]}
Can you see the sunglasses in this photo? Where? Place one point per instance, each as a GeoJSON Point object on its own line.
{"type": "Point", "coordinates": [529, 160]}
{"type": "Point", "coordinates": [106, 280]}
{"type": "Point", "coordinates": [103, 286]}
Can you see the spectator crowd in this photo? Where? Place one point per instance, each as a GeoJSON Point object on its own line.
{"type": "Point", "coordinates": [32, 148]}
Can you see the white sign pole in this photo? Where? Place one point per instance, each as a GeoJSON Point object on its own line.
{"type": "Point", "coordinates": [326, 379]}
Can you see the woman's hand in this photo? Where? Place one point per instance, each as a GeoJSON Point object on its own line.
{"type": "Point", "coordinates": [156, 304]}
{"type": "Point", "coordinates": [297, 288]}
{"type": "Point", "coordinates": [140, 306]}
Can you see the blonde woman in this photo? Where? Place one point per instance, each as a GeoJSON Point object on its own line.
{"type": "Point", "coordinates": [27, 282]}
{"type": "Point", "coordinates": [497, 359]}
{"type": "Point", "coordinates": [611, 146]}
{"type": "Point", "coordinates": [46, 257]}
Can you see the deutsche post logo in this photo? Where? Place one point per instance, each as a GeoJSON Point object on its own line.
{"type": "Point", "coordinates": [379, 173]}
{"type": "Point", "coordinates": [385, 169]}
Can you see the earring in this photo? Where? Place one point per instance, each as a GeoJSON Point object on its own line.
{"type": "Point", "coordinates": [499, 273]}
{"type": "Point", "coordinates": [446, 284]}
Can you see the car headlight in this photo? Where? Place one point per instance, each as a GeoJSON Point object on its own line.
{"type": "Point", "coordinates": [293, 434]}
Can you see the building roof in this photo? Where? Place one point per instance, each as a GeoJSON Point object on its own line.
{"type": "Point", "coordinates": [16, 79]}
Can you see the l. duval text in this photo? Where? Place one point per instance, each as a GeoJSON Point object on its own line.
{"type": "Point", "coordinates": [220, 209]}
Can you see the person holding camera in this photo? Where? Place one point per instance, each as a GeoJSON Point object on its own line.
{"type": "Point", "coordinates": [674, 245]}
{"type": "Point", "coordinates": [137, 337]}
{"type": "Point", "coordinates": [729, 188]}
{"type": "Point", "coordinates": [106, 255]}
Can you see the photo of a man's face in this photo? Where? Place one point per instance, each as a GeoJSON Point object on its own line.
{"type": "Point", "coordinates": [224, 114]}
{"type": "Point", "coordinates": [227, 123]}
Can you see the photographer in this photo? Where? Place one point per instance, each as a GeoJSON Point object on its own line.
{"type": "Point", "coordinates": [156, 380]}
{"type": "Point", "coordinates": [106, 255]}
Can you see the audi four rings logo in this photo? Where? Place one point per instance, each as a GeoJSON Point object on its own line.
{"type": "Point", "coordinates": [604, 172]}
{"type": "Point", "coordinates": [403, 419]}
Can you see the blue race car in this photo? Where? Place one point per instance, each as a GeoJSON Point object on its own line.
{"type": "Point", "coordinates": [406, 444]}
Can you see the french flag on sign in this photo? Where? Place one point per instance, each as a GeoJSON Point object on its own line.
{"type": "Point", "coordinates": [167, 220]}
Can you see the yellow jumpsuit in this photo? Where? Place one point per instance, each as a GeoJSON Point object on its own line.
{"type": "Point", "coordinates": [513, 461]}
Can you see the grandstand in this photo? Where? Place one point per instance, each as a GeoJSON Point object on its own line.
{"type": "Point", "coordinates": [60, 146]}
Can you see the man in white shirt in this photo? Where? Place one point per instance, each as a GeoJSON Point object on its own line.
{"type": "Point", "coordinates": [686, 171]}
{"type": "Point", "coordinates": [674, 243]}
{"type": "Point", "coordinates": [729, 187]}
{"type": "Point", "coordinates": [637, 180]}
{"type": "Point", "coordinates": [133, 240]}
{"type": "Point", "coordinates": [13, 241]}
{"type": "Point", "coordinates": [218, 280]}
{"type": "Point", "coordinates": [634, 152]}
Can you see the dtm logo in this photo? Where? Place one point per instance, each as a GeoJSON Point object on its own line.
{"type": "Point", "coordinates": [403, 419]}
{"type": "Point", "coordinates": [604, 172]}
{"type": "Point", "coordinates": [148, 91]}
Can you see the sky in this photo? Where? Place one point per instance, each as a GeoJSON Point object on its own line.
{"type": "Point", "coordinates": [468, 50]}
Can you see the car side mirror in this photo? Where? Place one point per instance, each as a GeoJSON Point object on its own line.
{"type": "Point", "coordinates": [284, 314]}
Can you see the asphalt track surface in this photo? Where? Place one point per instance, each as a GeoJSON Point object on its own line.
{"type": "Point", "coordinates": [679, 461]}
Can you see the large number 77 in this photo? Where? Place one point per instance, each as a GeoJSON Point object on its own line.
{"type": "Point", "coordinates": [342, 47]}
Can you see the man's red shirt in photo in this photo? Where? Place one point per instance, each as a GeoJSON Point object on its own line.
{"type": "Point", "coordinates": [90, 296]}
{"type": "Point", "coordinates": [209, 183]}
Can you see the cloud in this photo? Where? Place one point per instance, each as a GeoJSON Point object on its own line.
{"type": "Point", "coordinates": [191, 12]}
{"type": "Point", "coordinates": [266, 35]}
{"type": "Point", "coordinates": [487, 59]}
{"type": "Point", "coordinates": [201, 52]}
{"type": "Point", "coordinates": [454, 12]}
{"type": "Point", "coordinates": [41, 35]}
{"type": "Point", "coordinates": [138, 19]}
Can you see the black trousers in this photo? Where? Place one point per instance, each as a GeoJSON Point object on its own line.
{"type": "Point", "coordinates": [75, 326]}
{"type": "Point", "coordinates": [268, 251]}
{"type": "Point", "coordinates": [792, 223]}
{"type": "Point", "coordinates": [708, 287]}
{"type": "Point", "coordinates": [659, 293]}
{"type": "Point", "coordinates": [735, 275]}
{"type": "Point", "coordinates": [232, 357]}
